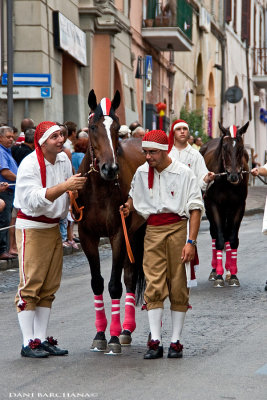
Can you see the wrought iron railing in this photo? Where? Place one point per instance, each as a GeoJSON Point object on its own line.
{"type": "Point", "coordinates": [260, 61]}
{"type": "Point", "coordinates": [158, 16]}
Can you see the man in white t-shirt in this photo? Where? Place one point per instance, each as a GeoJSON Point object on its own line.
{"type": "Point", "coordinates": [165, 192]}
{"type": "Point", "coordinates": [180, 149]}
{"type": "Point", "coordinates": [43, 179]}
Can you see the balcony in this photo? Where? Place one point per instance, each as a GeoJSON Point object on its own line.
{"type": "Point", "coordinates": [167, 29]}
{"type": "Point", "coordinates": [260, 67]}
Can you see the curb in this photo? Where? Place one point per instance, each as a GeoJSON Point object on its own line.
{"type": "Point", "coordinates": [67, 251]}
{"type": "Point", "coordinates": [251, 211]}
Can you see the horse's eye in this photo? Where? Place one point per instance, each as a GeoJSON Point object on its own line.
{"type": "Point", "coordinates": [92, 127]}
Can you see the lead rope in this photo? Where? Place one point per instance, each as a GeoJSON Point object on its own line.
{"type": "Point", "coordinates": [127, 242]}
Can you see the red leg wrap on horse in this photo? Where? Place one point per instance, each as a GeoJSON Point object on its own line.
{"type": "Point", "coordinates": [100, 320]}
{"type": "Point", "coordinates": [115, 325]}
{"type": "Point", "coordinates": [214, 255]}
{"type": "Point", "coordinates": [233, 268]}
{"type": "Point", "coordinates": [228, 256]}
{"type": "Point", "coordinates": [219, 268]}
{"type": "Point", "coordinates": [129, 318]}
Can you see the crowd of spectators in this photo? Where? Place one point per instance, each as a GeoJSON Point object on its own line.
{"type": "Point", "coordinates": [14, 146]}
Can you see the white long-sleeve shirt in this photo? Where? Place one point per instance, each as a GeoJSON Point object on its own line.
{"type": "Point", "coordinates": [30, 193]}
{"type": "Point", "coordinates": [175, 190]}
{"type": "Point", "coordinates": [194, 160]}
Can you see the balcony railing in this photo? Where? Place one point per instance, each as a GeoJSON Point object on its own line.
{"type": "Point", "coordinates": [260, 61]}
{"type": "Point", "coordinates": [181, 16]}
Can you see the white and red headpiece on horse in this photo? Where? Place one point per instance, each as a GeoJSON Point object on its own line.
{"type": "Point", "coordinates": [156, 139]}
{"type": "Point", "coordinates": [105, 105]}
{"type": "Point", "coordinates": [233, 130]}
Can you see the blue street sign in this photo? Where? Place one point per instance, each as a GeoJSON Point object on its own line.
{"type": "Point", "coordinates": [45, 92]}
{"type": "Point", "coordinates": [28, 79]}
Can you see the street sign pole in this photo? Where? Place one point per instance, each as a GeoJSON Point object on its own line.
{"type": "Point", "coordinates": [10, 62]}
{"type": "Point", "coordinates": [144, 93]}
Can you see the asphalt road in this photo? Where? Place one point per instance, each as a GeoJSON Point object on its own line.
{"type": "Point", "coordinates": [225, 338]}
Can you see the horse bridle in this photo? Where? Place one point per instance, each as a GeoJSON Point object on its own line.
{"type": "Point", "coordinates": [94, 163]}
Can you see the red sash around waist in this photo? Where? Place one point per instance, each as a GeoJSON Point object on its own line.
{"type": "Point", "coordinates": [41, 218]}
{"type": "Point", "coordinates": [163, 219]}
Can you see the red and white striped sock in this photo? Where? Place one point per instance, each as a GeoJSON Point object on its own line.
{"type": "Point", "coordinates": [233, 267]}
{"type": "Point", "coordinates": [129, 317]}
{"type": "Point", "coordinates": [219, 269]}
{"type": "Point", "coordinates": [214, 255]}
{"type": "Point", "coordinates": [228, 256]}
{"type": "Point", "coordinates": [100, 320]}
{"type": "Point", "coordinates": [115, 325]}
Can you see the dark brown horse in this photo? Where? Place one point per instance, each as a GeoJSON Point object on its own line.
{"type": "Point", "coordinates": [110, 165]}
{"type": "Point", "coordinates": [225, 199]}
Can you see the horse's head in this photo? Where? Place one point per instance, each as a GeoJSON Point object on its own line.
{"type": "Point", "coordinates": [233, 151]}
{"type": "Point", "coordinates": [103, 132]}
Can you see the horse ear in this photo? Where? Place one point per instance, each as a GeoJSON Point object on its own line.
{"type": "Point", "coordinates": [92, 100]}
{"type": "Point", "coordinates": [243, 129]}
{"type": "Point", "coordinates": [116, 100]}
{"type": "Point", "coordinates": [222, 129]}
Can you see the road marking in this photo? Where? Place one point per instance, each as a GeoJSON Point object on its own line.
{"type": "Point", "coordinates": [262, 370]}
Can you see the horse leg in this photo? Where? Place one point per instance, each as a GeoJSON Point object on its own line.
{"type": "Point", "coordinates": [212, 275]}
{"type": "Point", "coordinates": [115, 291]}
{"type": "Point", "coordinates": [228, 260]}
{"type": "Point", "coordinates": [132, 274]}
{"type": "Point", "coordinates": [234, 242]}
{"type": "Point", "coordinates": [218, 219]}
{"type": "Point", "coordinates": [90, 247]}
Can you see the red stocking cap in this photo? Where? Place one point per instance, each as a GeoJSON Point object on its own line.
{"type": "Point", "coordinates": [154, 140]}
{"type": "Point", "coordinates": [42, 133]}
{"type": "Point", "coordinates": [176, 124]}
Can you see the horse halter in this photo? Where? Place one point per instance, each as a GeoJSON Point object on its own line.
{"type": "Point", "coordinates": [103, 109]}
{"type": "Point", "coordinates": [233, 135]}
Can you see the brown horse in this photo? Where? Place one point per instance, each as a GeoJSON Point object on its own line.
{"type": "Point", "coordinates": [110, 165]}
{"type": "Point", "coordinates": [225, 199]}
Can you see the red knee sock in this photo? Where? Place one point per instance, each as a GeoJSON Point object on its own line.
{"type": "Point", "coordinates": [214, 255]}
{"type": "Point", "coordinates": [115, 326]}
{"type": "Point", "coordinates": [233, 267]}
{"type": "Point", "coordinates": [100, 320]}
{"type": "Point", "coordinates": [228, 256]}
{"type": "Point", "coordinates": [219, 269]}
{"type": "Point", "coordinates": [129, 318]}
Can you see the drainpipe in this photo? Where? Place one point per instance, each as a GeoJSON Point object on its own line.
{"type": "Point", "coordinates": [248, 82]}
{"type": "Point", "coordinates": [223, 45]}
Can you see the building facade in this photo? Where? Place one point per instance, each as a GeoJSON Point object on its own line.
{"type": "Point", "coordinates": [197, 50]}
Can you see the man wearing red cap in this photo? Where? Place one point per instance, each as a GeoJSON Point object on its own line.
{"type": "Point", "coordinates": [165, 192]}
{"type": "Point", "coordinates": [180, 149]}
{"type": "Point", "coordinates": [43, 179]}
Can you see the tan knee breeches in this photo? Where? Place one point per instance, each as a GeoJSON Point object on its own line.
{"type": "Point", "coordinates": [164, 271]}
{"type": "Point", "coordinates": [40, 266]}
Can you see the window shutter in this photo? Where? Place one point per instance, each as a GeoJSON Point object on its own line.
{"type": "Point", "coordinates": [228, 10]}
{"type": "Point", "coordinates": [245, 29]}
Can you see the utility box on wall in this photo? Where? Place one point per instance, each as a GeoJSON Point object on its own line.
{"type": "Point", "coordinates": [166, 123]}
{"type": "Point", "coordinates": [151, 116]}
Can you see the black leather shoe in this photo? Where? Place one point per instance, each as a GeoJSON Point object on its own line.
{"type": "Point", "coordinates": [49, 345]}
{"type": "Point", "coordinates": [175, 350]}
{"type": "Point", "coordinates": [154, 350]}
{"type": "Point", "coordinates": [34, 350]}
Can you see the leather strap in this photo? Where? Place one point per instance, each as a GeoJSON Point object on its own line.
{"type": "Point", "coordinates": [128, 246]}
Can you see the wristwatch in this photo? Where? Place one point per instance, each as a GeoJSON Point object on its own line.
{"type": "Point", "coordinates": [193, 242]}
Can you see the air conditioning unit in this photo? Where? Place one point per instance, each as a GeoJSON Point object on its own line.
{"type": "Point", "coordinates": [204, 20]}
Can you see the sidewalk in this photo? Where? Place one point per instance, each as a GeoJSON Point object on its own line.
{"type": "Point", "coordinates": [254, 205]}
